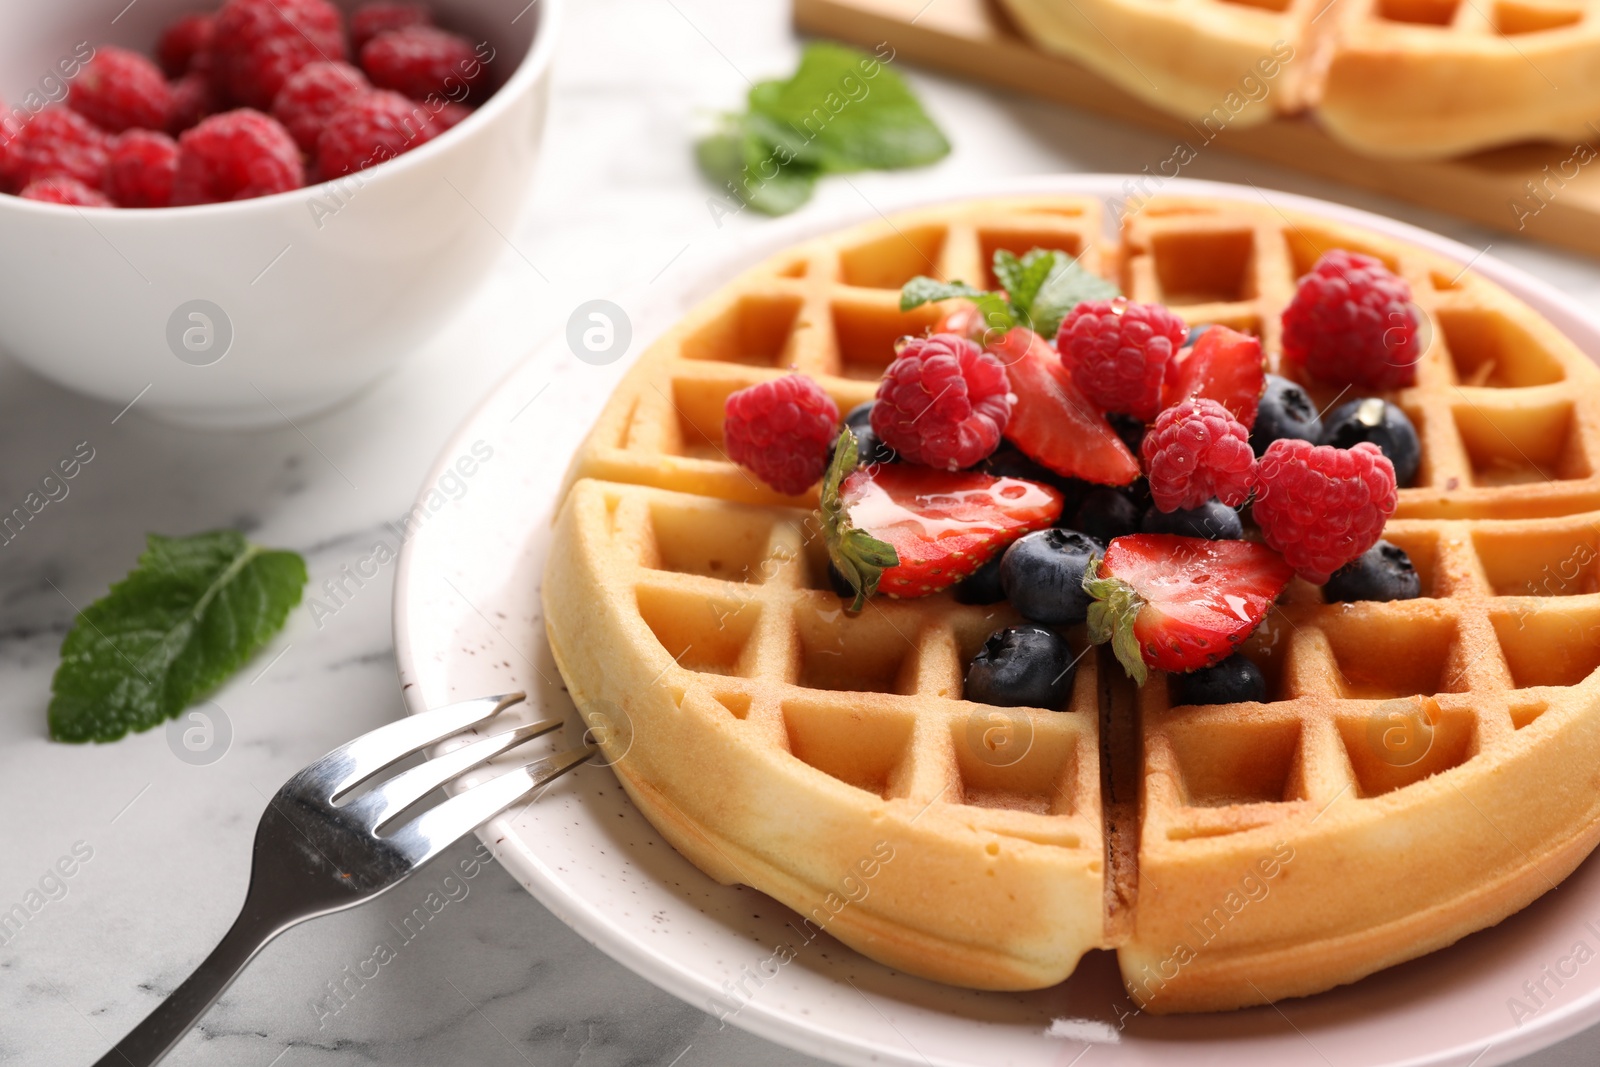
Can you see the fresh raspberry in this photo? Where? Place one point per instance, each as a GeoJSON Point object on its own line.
{"type": "Point", "coordinates": [449, 116]}
{"type": "Point", "coordinates": [183, 42]}
{"type": "Point", "coordinates": [313, 95]}
{"type": "Point", "coordinates": [234, 156]}
{"type": "Point", "coordinates": [1352, 322]}
{"type": "Point", "coordinates": [371, 129]}
{"type": "Point", "coordinates": [1197, 450]}
{"type": "Point", "coordinates": [57, 189]}
{"type": "Point", "coordinates": [54, 142]}
{"type": "Point", "coordinates": [421, 61]}
{"type": "Point", "coordinates": [140, 170]}
{"type": "Point", "coordinates": [120, 90]}
{"type": "Point", "coordinates": [257, 44]}
{"type": "Point", "coordinates": [943, 402]}
{"type": "Point", "coordinates": [193, 98]}
{"type": "Point", "coordinates": [782, 431]}
{"type": "Point", "coordinates": [1118, 353]}
{"type": "Point", "coordinates": [369, 20]}
{"type": "Point", "coordinates": [1322, 506]}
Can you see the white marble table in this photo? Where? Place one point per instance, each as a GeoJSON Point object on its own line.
{"type": "Point", "coordinates": [493, 979]}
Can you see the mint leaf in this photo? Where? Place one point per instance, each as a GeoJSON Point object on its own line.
{"type": "Point", "coordinates": [184, 620]}
{"type": "Point", "coordinates": [845, 111]}
{"type": "Point", "coordinates": [859, 556]}
{"type": "Point", "coordinates": [1021, 278]}
{"type": "Point", "coordinates": [754, 170]}
{"type": "Point", "coordinates": [924, 290]}
{"type": "Point", "coordinates": [1067, 285]}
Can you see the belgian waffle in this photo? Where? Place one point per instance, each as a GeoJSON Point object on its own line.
{"type": "Point", "coordinates": [1421, 770]}
{"type": "Point", "coordinates": [1403, 78]}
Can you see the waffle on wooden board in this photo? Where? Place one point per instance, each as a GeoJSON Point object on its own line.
{"type": "Point", "coordinates": [1422, 768]}
{"type": "Point", "coordinates": [1400, 78]}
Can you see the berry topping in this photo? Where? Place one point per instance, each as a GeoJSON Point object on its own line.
{"type": "Point", "coordinates": [1054, 425]}
{"type": "Point", "coordinates": [1023, 666]}
{"type": "Point", "coordinates": [119, 90]}
{"type": "Point", "coordinates": [369, 20]}
{"type": "Point", "coordinates": [371, 129]}
{"type": "Point", "coordinates": [235, 156]}
{"type": "Point", "coordinates": [1235, 680]}
{"type": "Point", "coordinates": [1320, 506]}
{"type": "Point", "coordinates": [193, 99]}
{"type": "Point", "coordinates": [868, 448]}
{"type": "Point", "coordinates": [257, 44]}
{"type": "Point", "coordinates": [183, 43]}
{"type": "Point", "coordinates": [1042, 574]}
{"type": "Point", "coordinates": [1118, 353]}
{"type": "Point", "coordinates": [1180, 603]}
{"type": "Point", "coordinates": [1224, 365]}
{"type": "Point", "coordinates": [1196, 451]}
{"type": "Point", "coordinates": [140, 169]}
{"type": "Point", "coordinates": [1384, 425]}
{"type": "Point", "coordinates": [423, 61]}
{"type": "Point", "coordinates": [1286, 411]}
{"type": "Point", "coordinates": [1212, 520]}
{"type": "Point", "coordinates": [1106, 514]}
{"type": "Point", "coordinates": [781, 431]}
{"type": "Point", "coordinates": [54, 142]}
{"type": "Point", "coordinates": [312, 95]}
{"type": "Point", "coordinates": [912, 531]}
{"type": "Point", "coordinates": [983, 587]}
{"type": "Point", "coordinates": [58, 189]}
{"type": "Point", "coordinates": [1352, 322]}
{"type": "Point", "coordinates": [943, 402]}
{"type": "Point", "coordinates": [1382, 572]}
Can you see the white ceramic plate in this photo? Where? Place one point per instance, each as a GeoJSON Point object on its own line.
{"type": "Point", "coordinates": [468, 622]}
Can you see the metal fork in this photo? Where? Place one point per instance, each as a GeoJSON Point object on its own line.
{"type": "Point", "coordinates": [313, 858]}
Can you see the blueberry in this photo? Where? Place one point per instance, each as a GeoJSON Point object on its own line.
{"type": "Point", "coordinates": [1106, 514]}
{"type": "Point", "coordinates": [1382, 572]}
{"type": "Point", "coordinates": [1130, 429]}
{"type": "Point", "coordinates": [1023, 666]}
{"type": "Point", "coordinates": [1286, 411]}
{"type": "Point", "coordinates": [869, 448]}
{"type": "Point", "coordinates": [982, 586]}
{"type": "Point", "coordinates": [1233, 681]}
{"type": "Point", "coordinates": [1008, 461]}
{"type": "Point", "coordinates": [1213, 520]}
{"type": "Point", "coordinates": [1042, 574]}
{"type": "Point", "coordinates": [1381, 423]}
{"type": "Point", "coordinates": [1194, 334]}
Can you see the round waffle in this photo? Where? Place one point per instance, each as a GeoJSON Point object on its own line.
{"type": "Point", "coordinates": [1421, 769]}
{"type": "Point", "coordinates": [1403, 78]}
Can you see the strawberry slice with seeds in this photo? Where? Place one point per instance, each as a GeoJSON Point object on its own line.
{"type": "Point", "coordinates": [1179, 603]}
{"type": "Point", "coordinates": [1052, 423]}
{"type": "Point", "coordinates": [1224, 365]}
{"type": "Point", "coordinates": [912, 531]}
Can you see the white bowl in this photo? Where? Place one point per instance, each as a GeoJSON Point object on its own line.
{"type": "Point", "coordinates": [304, 297]}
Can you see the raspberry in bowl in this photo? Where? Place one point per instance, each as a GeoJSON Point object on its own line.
{"type": "Point", "coordinates": [223, 267]}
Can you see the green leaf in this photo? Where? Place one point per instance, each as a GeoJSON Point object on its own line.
{"type": "Point", "coordinates": [924, 290]}
{"type": "Point", "coordinates": [859, 556]}
{"type": "Point", "coordinates": [844, 111]}
{"type": "Point", "coordinates": [753, 170]}
{"type": "Point", "coordinates": [1021, 278]}
{"type": "Point", "coordinates": [184, 620]}
{"type": "Point", "coordinates": [1111, 617]}
{"type": "Point", "coordinates": [1067, 285]}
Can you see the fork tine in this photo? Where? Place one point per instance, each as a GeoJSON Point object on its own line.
{"type": "Point", "coordinates": [438, 828]}
{"type": "Point", "coordinates": [386, 801]}
{"type": "Point", "coordinates": [351, 764]}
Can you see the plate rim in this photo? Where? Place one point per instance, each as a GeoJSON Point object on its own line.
{"type": "Point", "coordinates": [786, 1026]}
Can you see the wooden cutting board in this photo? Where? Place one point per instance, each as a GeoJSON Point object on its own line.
{"type": "Point", "coordinates": [1539, 191]}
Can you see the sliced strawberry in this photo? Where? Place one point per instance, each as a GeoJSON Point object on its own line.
{"type": "Point", "coordinates": [1224, 365]}
{"type": "Point", "coordinates": [937, 526]}
{"type": "Point", "coordinates": [1052, 423]}
{"type": "Point", "coordinates": [1179, 603]}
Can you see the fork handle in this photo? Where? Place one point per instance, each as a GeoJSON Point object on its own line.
{"type": "Point", "coordinates": [164, 1027]}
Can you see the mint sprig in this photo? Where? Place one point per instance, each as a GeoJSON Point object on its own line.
{"type": "Point", "coordinates": [192, 612]}
{"type": "Point", "coordinates": [1037, 291]}
{"type": "Point", "coordinates": [842, 111]}
{"type": "Point", "coordinates": [859, 556]}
